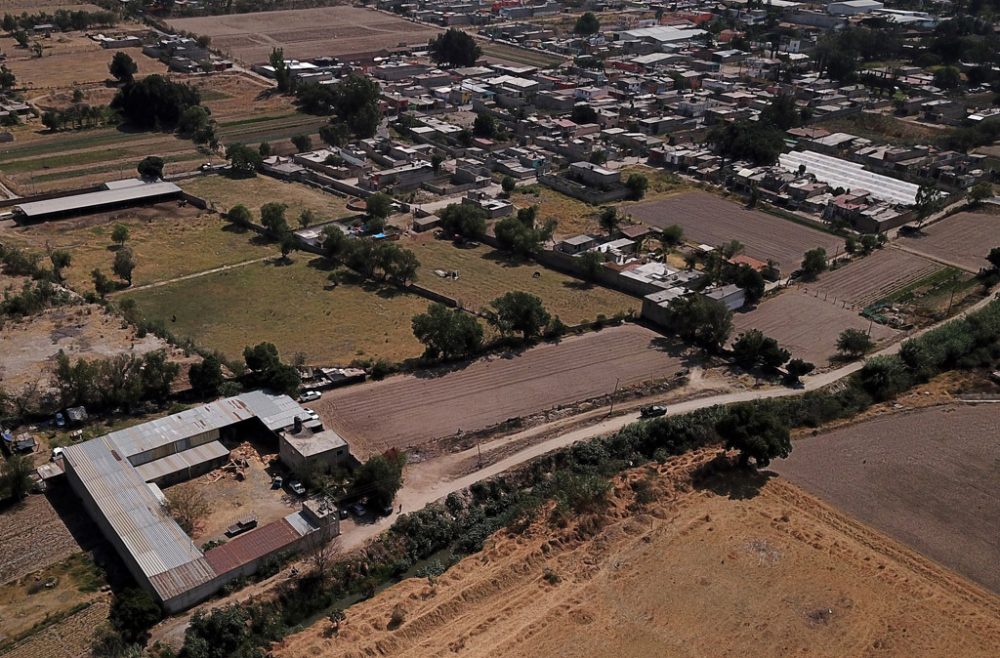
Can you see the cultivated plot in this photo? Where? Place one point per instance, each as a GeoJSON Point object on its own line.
{"type": "Point", "coordinates": [707, 219]}
{"type": "Point", "coordinates": [926, 477]}
{"type": "Point", "coordinates": [305, 33]}
{"type": "Point", "coordinates": [294, 306]}
{"type": "Point", "coordinates": [806, 325]}
{"type": "Point", "coordinates": [962, 240]}
{"type": "Point", "coordinates": [224, 193]}
{"type": "Point", "coordinates": [872, 278]}
{"type": "Point", "coordinates": [484, 274]}
{"type": "Point", "coordinates": [411, 410]}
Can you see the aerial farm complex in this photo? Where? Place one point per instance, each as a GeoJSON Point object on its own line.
{"type": "Point", "coordinates": [499, 329]}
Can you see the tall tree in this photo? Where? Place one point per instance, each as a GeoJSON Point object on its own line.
{"type": "Point", "coordinates": [124, 264]}
{"type": "Point", "coordinates": [456, 48]}
{"type": "Point", "coordinates": [123, 68]}
{"type": "Point", "coordinates": [448, 333]}
{"type": "Point", "coordinates": [756, 433]}
{"type": "Point", "coordinates": [587, 24]}
{"type": "Point", "coordinates": [519, 312]}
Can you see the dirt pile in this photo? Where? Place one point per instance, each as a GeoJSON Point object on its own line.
{"type": "Point", "coordinates": [746, 566]}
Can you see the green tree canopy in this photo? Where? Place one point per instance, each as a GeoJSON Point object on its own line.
{"type": "Point", "coordinates": [518, 312]}
{"type": "Point", "coordinates": [151, 167]}
{"type": "Point", "coordinates": [587, 24]}
{"type": "Point", "coordinates": [464, 219]}
{"type": "Point", "coordinates": [456, 48]}
{"type": "Point", "coordinates": [756, 432]}
{"type": "Point", "coordinates": [448, 333]}
{"type": "Point", "coordinates": [123, 68]}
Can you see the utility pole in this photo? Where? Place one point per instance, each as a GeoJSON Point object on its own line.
{"type": "Point", "coordinates": [613, 394]}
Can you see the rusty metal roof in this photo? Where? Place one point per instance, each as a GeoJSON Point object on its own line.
{"type": "Point", "coordinates": [251, 546]}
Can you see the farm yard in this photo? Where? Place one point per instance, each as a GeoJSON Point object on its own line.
{"type": "Point", "coordinates": [708, 219]}
{"type": "Point", "coordinates": [806, 325]}
{"type": "Point", "coordinates": [926, 478]}
{"type": "Point", "coordinates": [224, 193]}
{"type": "Point", "coordinates": [962, 240]}
{"type": "Point", "coordinates": [168, 241]}
{"type": "Point", "coordinates": [873, 278]}
{"type": "Point", "coordinates": [484, 274]}
{"type": "Point", "coordinates": [294, 306]}
{"type": "Point", "coordinates": [341, 31]}
{"type": "Point", "coordinates": [412, 410]}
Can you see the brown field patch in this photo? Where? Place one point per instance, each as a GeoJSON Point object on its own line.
{"type": "Point", "coordinates": [927, 478]}
{"type": "Point", "coordinates": [962, 240]}
{"type": "Point", "coordinates": [806, 325]}
{"type": "Point", "coordinates": [873, 277]}
{"type": "Point", "coordinates": [68, 638]}
{"type": "Point", "coordinates": [485, 274]}
{"type": "Point", "coordinates": [708, 219]}
{"type": "Point", "coordinates": [224, 193]}
{"type": "Point", "coordinates": [341, 31]}
{"type": "Point", "coordinates": [411, 410]}
{"type": "Point", "coordinates": [741, 568]}
{"type": "Point", "coordinates": [34, 537]}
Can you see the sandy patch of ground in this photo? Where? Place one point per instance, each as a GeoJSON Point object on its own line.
{"type": "Point", "coordinates": [723, 571]}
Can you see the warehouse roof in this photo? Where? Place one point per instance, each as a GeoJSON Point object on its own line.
{"type": "Point", "coordinates": [851, 176]}
{"type": "Point", "coordinates": [117, 192]}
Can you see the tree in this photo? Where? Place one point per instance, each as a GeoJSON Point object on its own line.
{"type": "Point", "coordinates": [7, 78]}
{"type": "Point", "coordinates": [781, 112]}
{"type": "Point", "coordinates": [609, 220]}
{"type": "Point", "coordinates": [583, 113]}
{"type": "Point", "coordinates": [151, 167]}
{"type": "Point", "coordinates": [447, 333]}
{"type": "Point", "coordinates": [155, 101]}
{"type": "Point", "coordinates": [336, 618]}
{"type": "Point", "coordinates": [272, 216]}
{"type": "Point", "coordinates": [133, 612]}
{"type": "Point", "coordinates": [456, 48]}
{"type": "Point", "coordinates": [267, 370]}
{"type": "Point", "coordinates": [15, 477]}
{"type": "Point", "coordinates": [756, 141]}
{"type": "Point", "coordinates": [508, 184]}
{"type": "Point", "coordinates": [587, 24]}
{"type": "Point", "coordinates": [221, 633]}
{"type": "Point", "coordinates": [120, 234]}
{"type": "Point", "coordinates": [814, 263]}
{"type": "Point", "coordinates": [124, 264]}
{"type": "Point", "coordinates": [302, 143]}
{"type": "Point", "coordinates": [520, 238]}
{"type": "Point", "coordinates": [240, 214]}
{"type": "Point", "coordinates": [464, 219]}
{"type": "Point", "coordinates": [123, 68]}
{"type": "Point", "coordinates": [591, 263]}
{"type": "Point", "coordinates": [206, 377]}
{"type": "Point", "coordinates": [335, 243]}
{"type": "Point", "coordinates": [797, 368]}
{"type": "Point", "coordinates": [378, 206]}
{"type": "Point", "coordinates": [756, 432]}
{"type": "Point", "coordinates": [854, 343]}
{"type": "Point", "coordinates": [21, 37]}
{"type": "Point", "coordinates": [379, 478]}
{"type": "Point", "coordinates": [637, 185]}
{"type": "Point", "coordinates": [883, 377]}
{"type": "Point", "coordinates": [851, 244]}
{"type": "Point", "coordinates": [671, 236]}
{"type": "Point", "coordinates": [102, 284]}
{"type": "Point", "coordinates": [994, 258]}
{"type": "Point", "coordinates": [243, 160]}
{"type": "Point", "coordinates": [947, 77]}
{"type": "Point", "coordinates": [484, 126]}
{"type": "Point", "coordinates": [354, 102]}
{"type": "Point", "coordinates": [287, 243]}
{"type": "Point", "coordinates": [747, 348]}
{"type": "Point", "coordinates": [307, 217]}
{"type": "Point", "coordinates": [751, 281]}
{"type": "Point", "coordinates": [928, 201]}
{"type": "Point", "coordinates": [980, 192]}
{"type": "Point", "coordinates": [705, 322]}
{"type": "Point", "coordinates": [518, 312]}
{"type": "Point", "coordinates": [282, 74]}
{"type": "Point", "coordinates": [194, 121]}
{"type": "Point", "coordinates": [60, 260]}
{"type": "Point", "coordinates": [264, 149]}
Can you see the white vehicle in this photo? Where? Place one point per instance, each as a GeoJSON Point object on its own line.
{"type": "Point", "coordinates": [309, 396]}
{"type": "Point", "coordinates": [312, 414]}
{"type": "Point", "coordinates": [57, 453]}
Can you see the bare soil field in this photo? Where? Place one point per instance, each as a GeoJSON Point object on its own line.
{"type": "Point", "coordinates": [962, 240]}
{"type": "Point", "coordinates": [34, 537]}
{"type": "Point", "coordinates": [872, 278]}
{"type": "Point", "coordinates": [305, 33]}
{"type": "Point", "coordinates": [707, 219]}
{"type": "Point", "coordinates": [30, 346]}
{"type": "Point", "coordinates": [926, 478]}
{"type": "Point", "coordinates": [739, 568]}
{"type": "Point", "coordinates": [806, 325]}
{"type": "Point", "coordinates": [411, 410]}
{"type": "Point", "coordinates": [68, 638]}
{"type": "Point", "coordinates": [168, 241]}
{"type": "Point", "coordinates": [485, 274]}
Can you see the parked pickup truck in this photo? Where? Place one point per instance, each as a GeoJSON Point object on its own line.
{"type": "Point", "coordinates": [653, 411]}
{"type": "Point", "coordinates": [241, 526]}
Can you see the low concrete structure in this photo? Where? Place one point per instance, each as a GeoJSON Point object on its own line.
{"type": "Point", "coordinates": [117, 194]}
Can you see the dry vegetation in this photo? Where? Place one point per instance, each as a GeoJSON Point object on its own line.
{"type": "Point", "coordinates": [485, 274]}
{"type": "Point", "coordinates": [753, 567]}
{"type": "Point", "coordinates": [224, 193]}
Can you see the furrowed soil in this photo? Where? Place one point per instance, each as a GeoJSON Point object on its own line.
{"type": "Point", "coordinates": [411, 410]}
{"type": "Point", "coordinates": [873, 277]}
{"type": "Point", "coordinates": [962, 240]}
{"type": "Point", "coordinates": [738, 566]}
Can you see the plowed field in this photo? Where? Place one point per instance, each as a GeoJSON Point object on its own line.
{"type": "Point", "coordinates": [411, 410]}
{"type": "Point", "coordinates": [874, 277]}
{"type": "Point", "coordinates": [962, 240]}
{"type": "Point", "coordinates": [708, 219]}
{"type": "Point", "coordinates": [927, 478]}
{"type": "Point", "coordinates": [33, 537]}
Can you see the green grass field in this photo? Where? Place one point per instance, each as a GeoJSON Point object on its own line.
{"type": "Point", "coordinates": [485, 274]}
{"type": "Point", "coordinates": [291, 306]}
{"type": "Point", "coordinates": [254, 192]}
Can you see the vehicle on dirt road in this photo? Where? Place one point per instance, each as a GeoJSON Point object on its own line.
{"type": "Point", "coordinates": [653, 411]}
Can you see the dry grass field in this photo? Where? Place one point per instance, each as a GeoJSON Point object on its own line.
{"type": "Point", "coordinates": [806, 325]}
{"type": "Point", "coordinates": [411, 410]}
{"type": "Point", "coordinates": [873, 278]}
{"type": "Point", "coordinates": [573, 216]}
{"type": "Point", "coordinates": [484, 275]}
{"type": "Point", "coordinates": [68, 638]}
{"type": "Point", "coordinates": [710, 220]}
{"type": "Point", "coordinates": [738, 567]}
{"type": "Point", "coordinates": [293, 306]}
{"type": "Point", "coordinates": [168, 242]}
{"type": "Point", "coordinates": [341, 31]}
{"type": "Point", "coordinates": [962, 240]}
{"type": "Point", "coordinates": [926, 478]}
{"type": "Point", "coordinates": [224, 193]}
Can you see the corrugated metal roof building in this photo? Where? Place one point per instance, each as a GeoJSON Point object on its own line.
{"type": "Point", "coordinates": [117, 193]}
{"type": "Point", "coordinates": [112, 476]}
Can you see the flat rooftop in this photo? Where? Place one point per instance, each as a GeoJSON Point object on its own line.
{"type": "Point", "coordinates": [119, 192]}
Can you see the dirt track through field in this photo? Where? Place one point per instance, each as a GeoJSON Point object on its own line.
{"type": "Point", "coordinates": [710, 220]}
{"type": "Point", "coordinates": [411, 410]}
{"type": "Point", "coordinates": [873, 277]}
{"type": "Point", "coordinates": [927, 478]}
{"type": "Point", "coordinates": [963, 240]}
